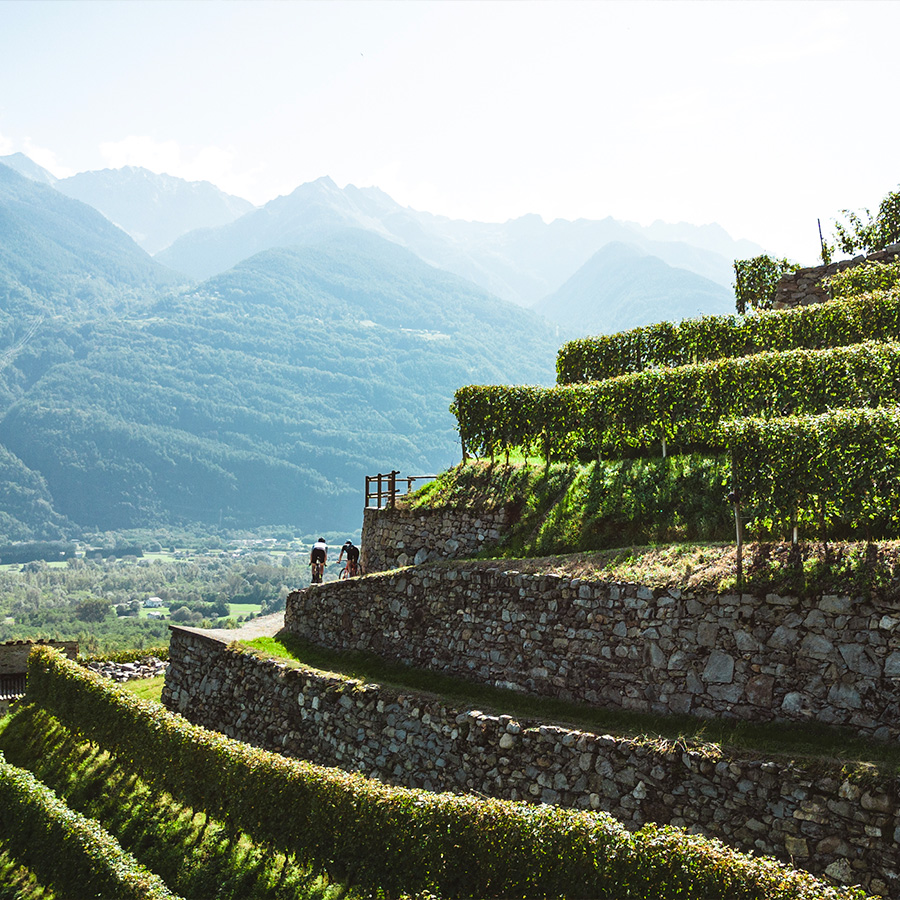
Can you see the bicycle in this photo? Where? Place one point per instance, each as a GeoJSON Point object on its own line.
{"type": "Point", "coordinates": [351, 570]}
{"type": "Point", "coordinates": [318, 570]}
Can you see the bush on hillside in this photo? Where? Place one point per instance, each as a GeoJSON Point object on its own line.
{"type": "Point", "coordinates": [871, 233]}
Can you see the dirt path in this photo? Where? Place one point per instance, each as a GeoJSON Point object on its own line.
{"type": "Point", "coordinates": [261, 626]}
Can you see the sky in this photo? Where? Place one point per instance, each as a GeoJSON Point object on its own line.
{"type": "Point", "coordinates": [759, 115]}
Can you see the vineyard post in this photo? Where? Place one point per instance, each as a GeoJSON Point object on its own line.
{"type": "Point", "coordinates": [735, 498]}
{"type": "Point", "coordinates": [739, 532]}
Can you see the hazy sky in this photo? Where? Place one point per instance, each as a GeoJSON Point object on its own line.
{"type": "Point", "coordinates": [761, 116]}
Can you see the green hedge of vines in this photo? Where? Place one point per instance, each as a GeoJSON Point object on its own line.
{"type": "Point", "coordinates": [401, 840]}
{"type": "Point", "coordinates": [834, 324]}
{"type": "Point", "coordinates": [632, 414]}
{"type": "Point", "coordinates": [840, 469]}
{"type": "Point", "coordinates": [65, 849]}
{"type": "Point", "coordinates": [866, 278]}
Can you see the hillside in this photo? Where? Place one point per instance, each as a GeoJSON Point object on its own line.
{"type": "Point", "coordinates": [622, 287]}
{"type": "Point", "coordinates": [60, 256]}
{"type": "Point", "coordinates": [154, 209]}
{"type": "Point", "coordinates": [521, 260]}
{"type": "Point", "coordinates": [266, 394]}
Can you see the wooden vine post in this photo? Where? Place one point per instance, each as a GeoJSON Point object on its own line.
{"type": "Point", "coordinates": [735, 499]}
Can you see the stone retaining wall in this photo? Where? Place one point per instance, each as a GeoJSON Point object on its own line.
{"type": "Point", "coordinates": [14, 654]}
{"type": "Point", "coordinates": [833, 659]}
{"type": "Point", "coordinates": [823, 821]}
{"type": "Point", "coordinates": [401, 537]}
{"type": "Point", "coordinates": [804, 287]}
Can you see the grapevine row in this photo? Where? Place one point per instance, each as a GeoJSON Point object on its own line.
{"type": "Point", "coordinates": [837, 323]}
{"type": "Point", "coordinates": [842, 466]}
{"type": "Point", "coordinates": [683, 406]}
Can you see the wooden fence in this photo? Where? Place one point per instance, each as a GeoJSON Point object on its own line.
{"type": "Point", "coordinates": [382, 490]}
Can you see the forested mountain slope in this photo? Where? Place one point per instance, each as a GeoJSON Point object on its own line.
{"type": "Point", "coordinates": [62, 265]}
{"type": "Point", "coordinates": [64, 254]}
{"type": "Point", "coordinates": [266, 394]}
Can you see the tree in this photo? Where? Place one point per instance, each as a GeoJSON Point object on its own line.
{"type": "Point", "coordinates": [875, 233]}
{"type": "Point", "coordinates": [94, 609]}
{"type": "Point", "coordinates": [755, 281]}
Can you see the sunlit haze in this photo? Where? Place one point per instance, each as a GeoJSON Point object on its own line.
{"type": "Point", "coordinates": [758, 116]}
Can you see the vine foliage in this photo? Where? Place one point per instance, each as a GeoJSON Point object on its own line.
{"type": "Point", "coordinates": [756, 279]}
{"type": "Point", "coordinates": [868, 233]}
{"type": "Point", "coordinates": [836, 323]}
{"type": "Point", "coordinates": [804, 402]}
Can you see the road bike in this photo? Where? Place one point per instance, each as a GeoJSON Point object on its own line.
{"type": "Point", "coordinates": [350, 570]}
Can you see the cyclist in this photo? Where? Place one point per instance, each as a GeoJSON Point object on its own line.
{"type": "Point", "coordinates": [352, 558]}
{"type": "Point", "coordinates": [317, 559]}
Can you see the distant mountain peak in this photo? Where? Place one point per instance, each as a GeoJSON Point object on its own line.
{"type": "Point", "coordinates": [323, 185]}
{"type": "Point", "coordinates": [26, 166]}
{"type": "Point", "coordinates": [155, 209]}
{"type": "Point", "coordinates": [521, 260]}
{"type": "Point", "coordinates": [623, 286]}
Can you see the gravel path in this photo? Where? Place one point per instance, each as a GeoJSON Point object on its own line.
{"type": "Point", "coordinates": [261, 626]}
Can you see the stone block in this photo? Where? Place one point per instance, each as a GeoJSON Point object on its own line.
{"type": "Point", "coordinates": [719, 668]}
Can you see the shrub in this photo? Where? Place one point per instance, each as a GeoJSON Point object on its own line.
{"type": "Point", "coordinates": [865, 278]}
{"type": "Point", "coordinates": [875, 232]}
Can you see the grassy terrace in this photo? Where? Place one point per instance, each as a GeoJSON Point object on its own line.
{"type": "Point", "coordinates": [808, 745]}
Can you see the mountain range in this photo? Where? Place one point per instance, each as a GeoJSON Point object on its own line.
{"type": "Point", "coordinates": [522, 260]}
{"type": "Point", "coordinates": [200, 231]}
{"type": "Point", "coordinates": [261, 396]}
{"type": "Point", "coordinates": [255, 370]}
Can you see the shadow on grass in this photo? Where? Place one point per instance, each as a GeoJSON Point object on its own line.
{"type": "Point", "coordinates": [18, 883]}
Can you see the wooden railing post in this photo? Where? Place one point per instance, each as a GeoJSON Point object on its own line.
{"type": "Point", "coordinates": [382, 488]}
{"type": "Point", "coordinates": [392, 487]}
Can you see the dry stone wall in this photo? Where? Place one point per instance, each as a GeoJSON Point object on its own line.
{"type": "Point", "coordinates": [804, 287]}
{"type": "Point", "coordinates": [845, 828]}
{"type": "Point", "coordinates": [832, 659]}
{"type": "Point", "coordinates": [392, 538]}
{"type": "Point", "coordinates": [14, 654]}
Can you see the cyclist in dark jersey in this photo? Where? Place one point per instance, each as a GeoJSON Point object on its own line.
{"type": "Point", "coordinates": [352, 552]}
{"type": "Point", "coordinates": [317, 558]}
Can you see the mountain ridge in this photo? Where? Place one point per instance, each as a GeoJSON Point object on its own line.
{"type": "Point", "coordinates": [264, 395]}
{"type": "Point", "coordinates": [521, 260]}
{"type": "Point", "coordinates": [155, 209]}
{"type": "Point", "coordinates": [622, 286]}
